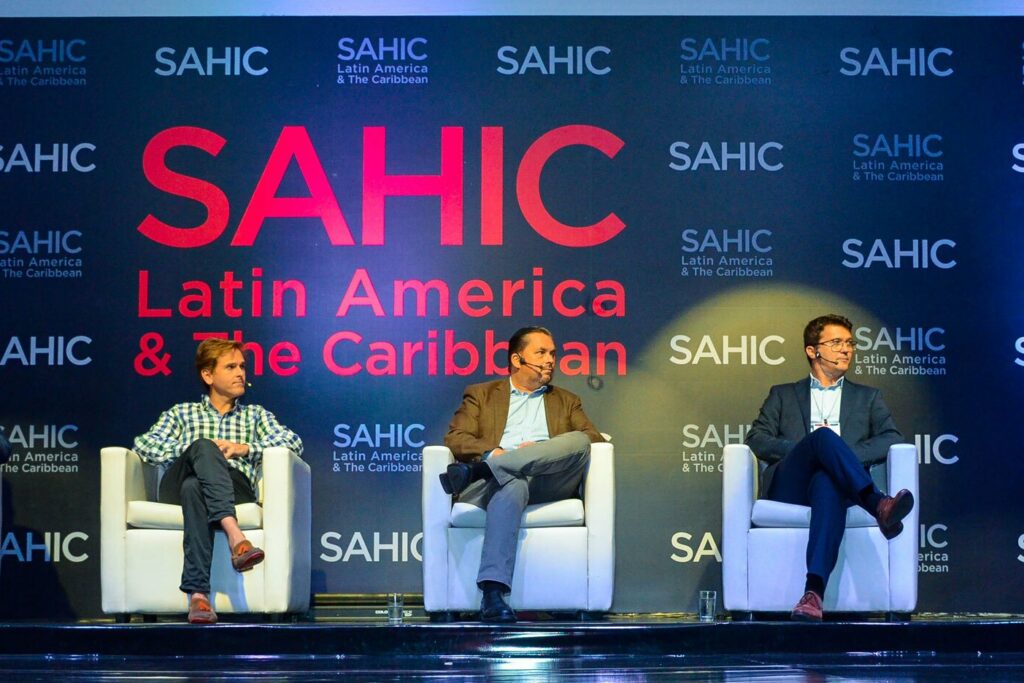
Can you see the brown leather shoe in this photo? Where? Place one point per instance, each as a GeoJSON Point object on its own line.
{"type": "Point", "coordinates": [808, 609]}
{"type": "Point", "coordinates": [200, 611]}
{"type": "Point", "coordinates": [245, 556]}
{"type": "Point", "coordinates": [891, 510]}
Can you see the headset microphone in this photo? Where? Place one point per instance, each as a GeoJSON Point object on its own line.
{"type": "Point", "coordinates": [538, 368]}
{"type": "Point", "coordinates": [827, 360]}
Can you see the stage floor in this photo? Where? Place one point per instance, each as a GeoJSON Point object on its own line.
{"type": "Point", "coordinates": [638, 648]}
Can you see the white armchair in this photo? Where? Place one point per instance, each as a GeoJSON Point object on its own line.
{"type": "Point", "coordinates": [764, 546]}
{"type": "Point", "coordinates": [566, 556]}
{"type": "Point", "coordinates": [141, 551]}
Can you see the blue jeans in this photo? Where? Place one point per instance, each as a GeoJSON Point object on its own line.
{"type": "Point", "coordinates": [207, 489]}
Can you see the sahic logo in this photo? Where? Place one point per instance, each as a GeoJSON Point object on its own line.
{"type": "Point", "coordinates": [725, 156]}
{"type": "Point", "coordinates": [212, 61]}
{"type": "Point", "coordinates": [747, 349]}
{"type": "Point", "coordinates": [916, 253]}
{"type": "Point", "coordinates": [724, 49]}
{"type": "Point", "coordinates": [572, 60]}
{"type": "Point", "coordinates": [319, 200]}
{"type": "Point", "coordinates": [911, 61]}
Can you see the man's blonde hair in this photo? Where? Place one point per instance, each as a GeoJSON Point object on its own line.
{"type": "Point", "coordinates": [209, 351]}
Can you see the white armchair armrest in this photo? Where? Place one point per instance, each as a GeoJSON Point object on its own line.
{"type": "Point", "coordinates": [437, 507]}
{"type": "Point", "coordinates": [287, 527]}
{"type": "Point", "coordinates": [599, 511]}
{"type": "Point", "coordinates": [902, 471]}
{"type": "Point", "coordinates": [738, 489]}
{"type": "Point", "coordinates": [121, 481]}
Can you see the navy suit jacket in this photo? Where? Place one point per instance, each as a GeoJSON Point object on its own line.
{"type": "Point", "coordinates": [865, 422]}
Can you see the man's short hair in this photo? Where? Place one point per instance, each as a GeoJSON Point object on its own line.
{"type": "Point", "coordinates": [210, 349]}
{"type": "Point", "coordinates": [517, 342]}
{"type": "Point", "coordinates": [813, 329]}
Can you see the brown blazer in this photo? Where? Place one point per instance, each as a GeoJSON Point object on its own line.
{"type": "Point", "coordinates": [480, 421]}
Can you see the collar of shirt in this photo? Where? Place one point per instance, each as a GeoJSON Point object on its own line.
{"type": "Point", "coordinates": [208, 405]}
{"type": "Point", "coordinates": [517, 392]}
{"type": "Point", "coordinates": [816, 384]}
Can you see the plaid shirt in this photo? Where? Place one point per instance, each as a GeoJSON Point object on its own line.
{"type": "Point", "coordinates": [182, 425]}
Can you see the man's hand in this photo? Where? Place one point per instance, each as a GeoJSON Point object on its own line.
{"type": "Point", "coordinates": [230, 449]}
{"type": "Point", "coordinates": [496, 452]}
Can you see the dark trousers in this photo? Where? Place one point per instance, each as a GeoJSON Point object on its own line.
{"type": "Point", "coordinates": [207, 489]}
{"type": "Point", "coordinates": [821, 471]}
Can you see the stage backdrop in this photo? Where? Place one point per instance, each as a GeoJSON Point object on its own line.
{"type": "Point", "coordinates": [374, 205]}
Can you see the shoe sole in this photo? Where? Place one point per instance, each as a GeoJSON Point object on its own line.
{"type": "Point", "coordinates": [202, 621]}
{"type": "Point", "coordinates": [248, 561]}
{"type": "Point", "coordinates": [891, 532]}
{"type": "Point", "coordinates": [446, 483]}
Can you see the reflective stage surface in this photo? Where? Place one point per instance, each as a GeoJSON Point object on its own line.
{"type": "Point", "coordinates": [621, 649]}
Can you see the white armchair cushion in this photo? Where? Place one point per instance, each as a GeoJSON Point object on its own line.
{"type": "Point", "coordinates": [559, 513]}
{"type": "Point", "coordinates": [141, 552]}
{"type": "Point", "coordinates": [771, 513]}
{"type": "Point", "coordinates": [764, 546]}
{"type": "Point", "coordinates": [144, 514]}
{"type": "Point", "coordinates": [566, 556]}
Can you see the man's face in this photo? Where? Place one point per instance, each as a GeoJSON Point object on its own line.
{"type": "Point", "coordinates": [836, 346]}
{"type": "Point", "coordinates": [228, 378]}
{"type": "Point", "coordinates": [539, 353]}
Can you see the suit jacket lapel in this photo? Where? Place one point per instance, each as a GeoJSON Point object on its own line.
{"type": "Point", "coordinates": [803, 399]}
{"type": "Point", "coordinates": [501, 395]}
{"type": "Point", "coordinates": [551, 407]}
{"type": "Point", "coordinates": [851, 394]}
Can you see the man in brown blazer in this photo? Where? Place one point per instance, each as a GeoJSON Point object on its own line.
{"type": "Point", "coordinates": [517, 441]}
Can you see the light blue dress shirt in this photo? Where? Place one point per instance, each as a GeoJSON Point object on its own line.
{"type": "Point", "coordinates": [527, 419]}
{"type": "Point", "coordinates": [826, 402]}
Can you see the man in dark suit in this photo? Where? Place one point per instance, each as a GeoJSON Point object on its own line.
{"type": "Point", "coordinates": [818, 437]}
{"type": "Point", "coordinates": [518, 440]}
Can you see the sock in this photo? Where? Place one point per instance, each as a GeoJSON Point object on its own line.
{"type": "Point", "coordinates": [815, 583]}
{"type": "Point", "coordinates": [870, 497]}
{"type": "Point", "coordinates": [481, 471]}
{"type": "Point", "coordinates": [493, 587]}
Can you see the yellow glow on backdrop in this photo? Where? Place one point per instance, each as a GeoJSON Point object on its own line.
{"type": "Point", "coordinates": [714, 363]}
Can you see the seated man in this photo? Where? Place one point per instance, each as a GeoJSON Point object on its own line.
{"type": "Point", "coordinates": [518, 441]}
{"type": "Point", "coordinates": [818, 437]}
{"type": "Point", "coordinates": [211, 452]}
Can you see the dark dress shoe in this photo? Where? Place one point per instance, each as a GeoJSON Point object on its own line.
{"type": "Point", "coordinates": [892, 509]}
{"type": "Point", "coordinates": [494, 609]}
{"type": "Point", "coordinates": [457, 478]}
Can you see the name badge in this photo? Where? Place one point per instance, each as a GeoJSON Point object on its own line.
{"type": "Point", "coordinates": [826, 425]}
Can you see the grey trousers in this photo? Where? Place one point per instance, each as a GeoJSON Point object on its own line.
{"type": "Point", "coordinates": [544, 472]}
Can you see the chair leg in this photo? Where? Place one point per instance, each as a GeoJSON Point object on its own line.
{"type": "Point", "coordinates": [149, 618]}
{"type": "Point", "coordinates": [441, 617]}
{"type": "Point", "coordinates": [742, 616]}
{"type": "Point", "coordinates": [584, 615]}
{"type": "Point", "coordinates": [122, 618]}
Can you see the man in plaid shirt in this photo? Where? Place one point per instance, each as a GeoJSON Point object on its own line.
{"type": "Point", "coordinates": [212, 452]}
